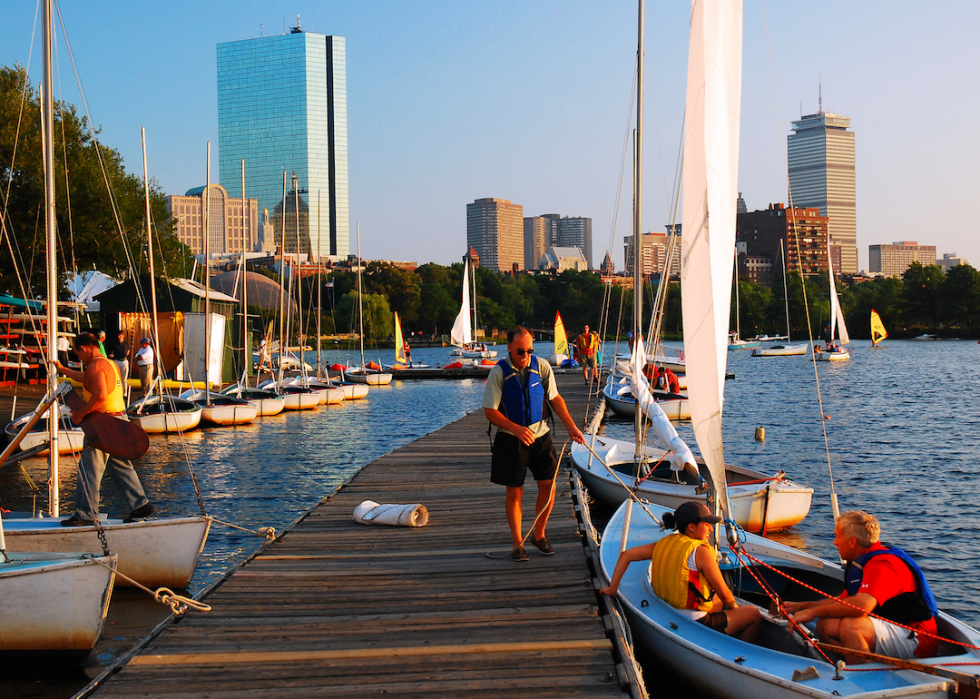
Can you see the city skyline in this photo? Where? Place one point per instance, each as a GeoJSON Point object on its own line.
{"type": "Point", "coordinates": [452, 102]}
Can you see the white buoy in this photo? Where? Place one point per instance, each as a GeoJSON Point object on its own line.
{"type": "Point", "coordinates": [760, 434]}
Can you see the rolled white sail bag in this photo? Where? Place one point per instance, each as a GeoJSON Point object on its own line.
{"type": "Point", "coordinates": [370, 512]}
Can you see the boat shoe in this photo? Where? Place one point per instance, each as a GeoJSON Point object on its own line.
{"type": "Point", "coordinates": [519, 554]}
{"type": "Point", "coordinates": [542, 545]}
{"type": "Point", "coordinates": [141, 512]}
{"type": "Point", "coordinates": [76, 521]}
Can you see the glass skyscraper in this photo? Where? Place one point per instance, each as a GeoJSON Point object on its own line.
{"type": "Point", "coordinates": [821, 175]}
{"type": "Point", "coordinates": [282, 107]}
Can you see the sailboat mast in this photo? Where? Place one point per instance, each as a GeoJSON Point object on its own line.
{"type": "Point", "coordinates": [50, 234]}
{"type": "Point", "coordinates": [475, 324]}
{"type": "Point", "coordinates": [154, 324]}
{"type": "Point", "coordinates": [245, 231]}
{"type": "Point", "coordinates": [782, 252]}
{"type": "Point", "coordinates": [299, 281]}
{"type": "Point", "coordinates": [282, 277]}
{"type": "Point", "coordinates": [360, 303]}
{"type": "Point", "coordinates": [207, 273]}
{"type": "Point", "coordinates": [319, 291]}
{"type": "Point", "coordinates": [738, 306]}
{"type": "Point", "coordinates": [638, 218]}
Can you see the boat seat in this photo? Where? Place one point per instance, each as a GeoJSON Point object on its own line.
{"type": "Point", "coordinates": [663, 472]}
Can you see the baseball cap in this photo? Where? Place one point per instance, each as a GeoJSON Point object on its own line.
{"type": "Point", "coordinates": [692, 513]}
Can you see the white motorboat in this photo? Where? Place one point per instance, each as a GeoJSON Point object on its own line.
{"type": "Point", "coordinates": [164, 413]}
{"type": "Point", "coordinates": [71, 438]}
{"type": "Point", "coordinates": [268, 402]}
{"type": "Point", "coordinates": [153, 552]}
{"type": "Point", "coordinates": [221, 409]}
{"type": "Point", "coordinates": [780, 351]}
{"type": "Point", "coordinates": [54, 602]}
{"type": "Point", "coordinates": [760, 502]}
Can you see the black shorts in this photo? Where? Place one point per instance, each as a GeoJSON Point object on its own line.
{"type": "Point", "coordinates": [715, 620]}
{"type": "Point", "coordinates": [512, 459]}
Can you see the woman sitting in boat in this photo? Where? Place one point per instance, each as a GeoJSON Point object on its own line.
{"type": "Point", "coordinates": [685, 574]}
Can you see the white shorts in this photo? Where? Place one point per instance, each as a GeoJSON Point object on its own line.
{"type": "Point", "coordinates": [894, 641]}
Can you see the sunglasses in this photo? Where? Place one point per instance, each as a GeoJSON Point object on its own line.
{"type": "Point", "coordinates": [521, 351]}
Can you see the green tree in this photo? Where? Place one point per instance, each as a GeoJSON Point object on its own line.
{"type": "Point", "coordinates": [97, 188]}
{"type": "Point", "coordinates": [959, 294]}
{"type": "Point", "coordinates": [921, 294]}
{"type": "Point", "coordinates": [437, 307]}
{"type": "Point", "coordinates": [378, 318]}
{"type": "Point", "coordinates": [402, 288]}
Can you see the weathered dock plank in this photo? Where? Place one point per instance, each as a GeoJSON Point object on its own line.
{"type": "Point", "coordinates": [333, 608]}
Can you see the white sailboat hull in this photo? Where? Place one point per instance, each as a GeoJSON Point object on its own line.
{"type": "Point", "coordinates": [379, 378]}
{"type": "Point", "coordinates": [226, 415]}
{"type": "Point", "coordinates": [268, 403]}
{"type": "Point", "coordinates": [54, 603]}
{"type": "Point", "coordinates": [157, 419]}
{"type": "Point", "coordinates": [772, 504]}
{"type": "Point", "coordinates": [354, 391]}
{"type": "Point", "coordinates": [780, 351]}
{"type": "Point", "coordinates": [621, 401]}
{"type": "Point", "coordinates": [823, 356]}
{"type": "Point", "coordinates": [152, 552]}
{"type": "Point", "coordinates": [722, 666]}
{"type": "Point", "coordinates": [69, 441]}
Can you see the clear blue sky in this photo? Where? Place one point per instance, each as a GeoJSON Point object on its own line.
{"type": "Point", "coordinates": [450, 101]}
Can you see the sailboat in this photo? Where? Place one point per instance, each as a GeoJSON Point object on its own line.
{"type": "Point", "coordinates": [364, 374]}
{"type": "Point", "coordinates": [561, 343]}
{"type": "Point", "coordinates": [878, 332]}
{"type": "Point", "coordinates": [834, 352]}
{"type": "Point", "coordinates": [787, 350]}
{"type": "Point", "coordinates": [403, 360]}
{"type": "Point", "coordinates": [612, 469]}
{"type": "Point", "coordinates": [735, 341]}
{"type": "Point", "coordinates": [157, 552]}
{"type": "Point", "coordinates": [54, 602]}
{"type": "Point", "coordinates": [216, 408]}
{"type": "Point", "coordinates": [778, 664]}
{"type": "Point", "coordinates": [462, 333]}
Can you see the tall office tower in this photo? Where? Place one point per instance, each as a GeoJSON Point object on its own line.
{"type": "Point", "coordinates": [821, 175]}
{"type": "Point", "coordinates": [495, 229]}
{"type": "Point", "coordinates": [282, 107]}
{"type": "Point", "coordinates": [576, 232]}
{"type": "Point", "coordinates": [535, 240]}
{"type": "Point", "coordinates": [551, 238]}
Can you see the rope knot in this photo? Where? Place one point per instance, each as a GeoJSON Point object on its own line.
{"type": "Point", "coordinates": [268, 532]}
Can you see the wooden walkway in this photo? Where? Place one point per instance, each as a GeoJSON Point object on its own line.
{"type": "Point", "coordinates": [337, 609]}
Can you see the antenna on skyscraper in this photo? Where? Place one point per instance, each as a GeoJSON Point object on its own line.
{"type": "Point", "coordinates": [819, 93]}
{"type": "Point", "coordinates": [261, 30]}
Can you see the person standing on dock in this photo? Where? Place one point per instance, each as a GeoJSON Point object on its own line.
{"type": "Point", "coordinates": [144, 362]}
{"type": "Point", "coordinates": [519, 391]}
{"type": "Point", "coordinates": [103, 393]}
{"type": "Point", "coordinates": [588, 347]}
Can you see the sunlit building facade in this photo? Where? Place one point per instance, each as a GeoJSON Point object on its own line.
{"type": "Point", "coordinates": [282, 108]}
{"type": "Point", "coordinates": [495, 229]}
{"type": "Point", "coordinates": [892, 260]}
{"type": "Point", "coordinates": [822, 176]}
{"type": "Point", "coordinates": [227, 221]}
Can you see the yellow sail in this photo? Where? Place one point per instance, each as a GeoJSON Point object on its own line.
{"type": "Point", "coordinates": [561, 340]}
{"type": "Point", "coordinates": [400, 357]}
{"type": "Point", "coordinates": [878, 332]}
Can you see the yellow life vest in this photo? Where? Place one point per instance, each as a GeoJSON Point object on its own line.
{"type": "Point", "coordinates": [587, 344]}
{"type": "Point", "coordinates": [116, 401]}
{"type": "Point", "coordinates": [671, 579]}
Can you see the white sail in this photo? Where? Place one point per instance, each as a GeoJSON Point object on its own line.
{"type": "Point", "coordinates": [711, 132]}
{"type": "Point", "coordinates": [836, 315]}
{"type": "Point", "coordinates": [659, 421]}
{"type": "Point", "coordinates": [461, 334]}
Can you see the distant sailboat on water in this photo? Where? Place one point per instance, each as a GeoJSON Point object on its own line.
{"type": "Point", "coordinates": [561, 343]}
{"type": "Point", "coordinates": [878, 332]}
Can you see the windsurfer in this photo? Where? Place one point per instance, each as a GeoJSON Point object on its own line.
{"type": "Point", "coordinates": [519, 388]}
{"type": "Point", "coordinates": [103, 394]}
{"type": "Point", "coordinates": [881, 580]}
{"type": "Point", "coordinates": [685, 574]}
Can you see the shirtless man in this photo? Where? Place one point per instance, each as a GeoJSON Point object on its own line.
{"type": "Point", "coordinates": [103, 393]}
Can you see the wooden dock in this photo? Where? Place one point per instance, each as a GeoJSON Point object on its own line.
{"type": "Point", "coordinates": [333, 608]}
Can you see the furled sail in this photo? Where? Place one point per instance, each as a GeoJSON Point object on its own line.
{"type": "Point", "coordinates": [561, 339]}
{"type": "Point", "coordinates": [711, 131]}
{"type": "Point", "coordinates": [461, 333]}
{"type": "Point", "coordinates": [662, 427]}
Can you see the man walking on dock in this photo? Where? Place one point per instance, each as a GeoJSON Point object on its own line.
{"type": "Point", "coordinates": [519, 392]}
{"type": "Point", "coordinates": [588, 348]}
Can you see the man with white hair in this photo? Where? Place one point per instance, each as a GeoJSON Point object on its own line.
{"type": "Point", "coordinates": [882, 581]}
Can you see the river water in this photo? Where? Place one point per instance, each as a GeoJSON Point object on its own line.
{"type": "Point", "coordinates": [903, 431]}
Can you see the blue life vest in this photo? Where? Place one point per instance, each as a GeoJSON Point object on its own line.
{"type": "Point", "coordinates": [905, 608]}
{"type": "Point", "coordinates": [523, 404]}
